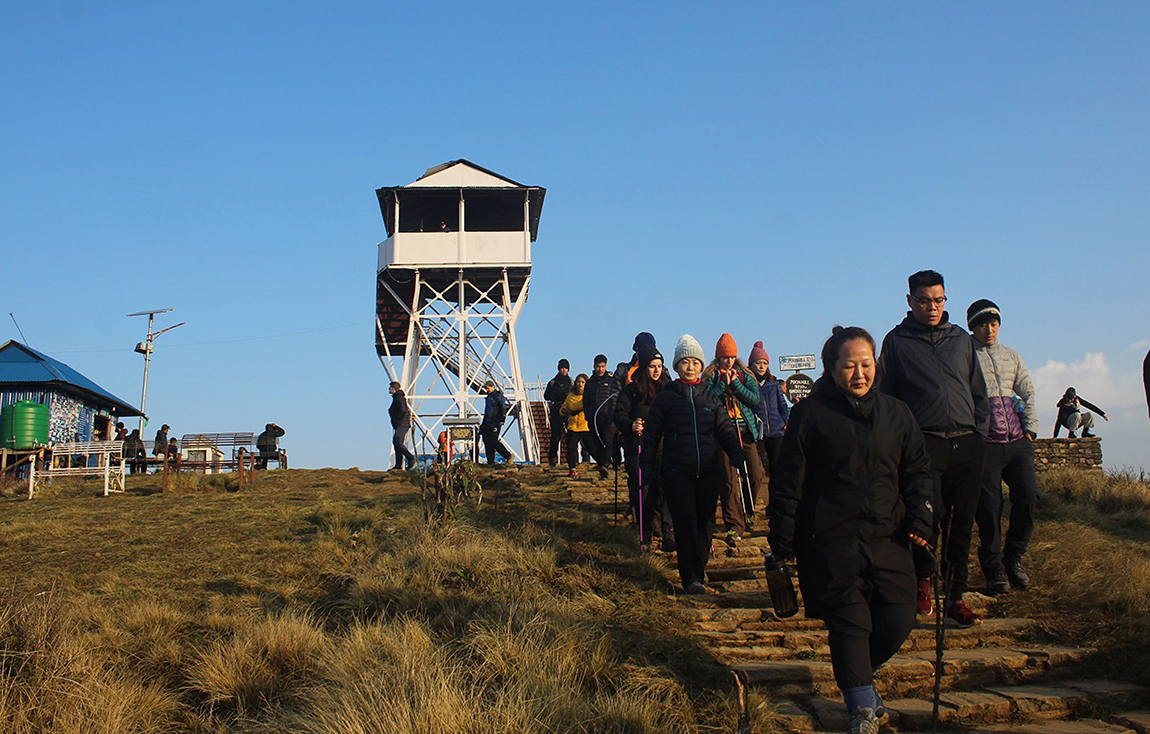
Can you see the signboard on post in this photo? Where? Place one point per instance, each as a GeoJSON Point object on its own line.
{"type": "Point", "coordinates": [797, 362]}
{"type": "Point", "coordinates": [799, 386]}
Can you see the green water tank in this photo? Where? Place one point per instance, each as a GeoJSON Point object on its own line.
{"type": "Point", "coordinates": [24, 425]}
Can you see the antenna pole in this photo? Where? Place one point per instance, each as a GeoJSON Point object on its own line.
{"type": "Point", "coordinates": [147, 360]}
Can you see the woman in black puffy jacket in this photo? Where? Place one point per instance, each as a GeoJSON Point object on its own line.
{"type": "Point", "coordinates": [631, 409]}
{"type": "Point", "coordinates": [851, 495]}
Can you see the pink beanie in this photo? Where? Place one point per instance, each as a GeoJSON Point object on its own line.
{"type": "Point", "coordinates": [758, 353]}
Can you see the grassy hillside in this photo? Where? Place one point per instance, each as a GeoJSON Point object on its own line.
{"type": "Point", "coordinates": [324, 602]}
{"type": "Point", "coordinates": [321, 601]}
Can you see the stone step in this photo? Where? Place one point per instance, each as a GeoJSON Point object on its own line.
{"type": "Point", "coordinates": [912, 672]}
{"type": "Point", "coordinates": [996, 708]}
{"type": "Point", "coordinates": [733, 643]}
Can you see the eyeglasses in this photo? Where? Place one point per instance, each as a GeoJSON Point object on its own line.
{"type": "Point", "coordinates": [924, 301]}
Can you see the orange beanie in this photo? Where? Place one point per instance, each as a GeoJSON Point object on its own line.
{"type": "Point", "coordinates": [726, 347]}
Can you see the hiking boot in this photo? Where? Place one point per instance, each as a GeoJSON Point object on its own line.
{"type": "Point", "coordinates": [961, 616]}
{"type": "Point", "coordinates": [863, 721]}
{"type": "Point", "coordinates": [996, 582]}
{"type": "Point", "coordinates": [668, 545]}
{"type": "Point", "coordinates": [879, 708]}
{"type": "Point", "coordinates": [603, 473]}
{"type": "Point", "coordinates": [1071, 435]}
{"type": "Point", "coordinates": [733, 535]}
{"type": "Point", "coordinates": [923, 596]}
{"type": "Point", "coordinates": [573, 474]}
{"type": "Point", "coordinates": [695, 587]}
{"type": "Point", "coordinates": [1087, 434]}
{"type": "Point", "coordinates": [1017, 575]}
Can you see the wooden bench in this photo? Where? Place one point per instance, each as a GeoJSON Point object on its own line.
{"type": "Point", "coordinates": [86, 459]}
{"type": "Point", "coordinates": [230, 451]}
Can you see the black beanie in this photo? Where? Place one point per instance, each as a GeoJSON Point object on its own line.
{"type": "Point", "coordinates": [981, 311]}
{"type": "Point", "coordinates": [643, 339]}
{"type": "Point", "coordinates": [647, 355]}
{"type": "Point", "coordinates": [564, 364]}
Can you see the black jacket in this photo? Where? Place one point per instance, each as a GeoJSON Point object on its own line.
{"type": "Point", "coordinates": [599, 403]}
{"type": "Point", "coordinates": [268, 441]}
{"type": "Point", "coordinates": [556, 391]}
{"type": "Point", "coordinates": [399, 412]}
{"type": "Point", "coordinates": [630, 407]}
{"type": "Point", "coordinates": [853, 480]}
{"type": "Point", "coordinates": [693, 427]}
{"type": "Point", "coordinates": [160, 445]}
{"type": "Point", "coordinates": [935, 371]}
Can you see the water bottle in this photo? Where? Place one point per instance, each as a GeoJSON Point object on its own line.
{"type": "Point", "coordinates": [782, 588]}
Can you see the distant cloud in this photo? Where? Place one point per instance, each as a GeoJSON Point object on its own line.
{"type": "Point", "coordinates": [1092, 378]}
{"type": "Point", "coordinates": [1139, 346]}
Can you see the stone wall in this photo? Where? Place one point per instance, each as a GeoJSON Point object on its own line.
{"type": "Point", "coordinates": [1084, 453]}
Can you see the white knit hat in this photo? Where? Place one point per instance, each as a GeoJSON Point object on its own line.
{"type": "Point", "coordinates": [688, 346]}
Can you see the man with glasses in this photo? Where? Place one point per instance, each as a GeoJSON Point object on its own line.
{"type": "Point", "coordinates": [930, 364]}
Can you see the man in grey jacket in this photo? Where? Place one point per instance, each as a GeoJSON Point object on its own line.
{"type": "Point", "coordinates": [1009, 453]}
{"type": "Point", "coordinates": [930, 364]}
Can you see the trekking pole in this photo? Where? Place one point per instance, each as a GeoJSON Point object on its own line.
{"type": "Point", "coordinates": [639, 463]}
{"type": "Point", "coordinates": [616, 495]}
{"type": "Point", "coordinates": [941, 590]}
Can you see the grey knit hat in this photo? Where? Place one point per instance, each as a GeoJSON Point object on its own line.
{"type": "Point", "coordinates": [688, 346]}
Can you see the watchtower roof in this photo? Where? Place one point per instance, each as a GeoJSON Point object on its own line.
{"type": "Point", "coordinates": [461, 174]}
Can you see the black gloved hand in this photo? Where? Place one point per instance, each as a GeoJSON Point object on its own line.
{"type": "Point", "coordinates": [781, 548]}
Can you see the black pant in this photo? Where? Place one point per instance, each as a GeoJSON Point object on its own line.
{"type": "Point", "coordinates": [575, 439]}
{"type": "Point", "coordinates": [601, 447]}
{"type": "Point", "coordinates": [404, 459]}
{"type": "Point", "coordinates": [558, 429]}
{"type": "Point", "coordinates": [692, 501]}
{"type": "Point", "coordinates": [1012, 463]}
{"type": "Point", "coordinates": [653, 502]}
{"type": "Point", "coordinates": [493, 443]}
{"type": "Point", "coordinates": [864, 636]}
{"type": "Point", "coordinates": [956, 467]}
{"type": "Point", "coordinates": [769, 453]}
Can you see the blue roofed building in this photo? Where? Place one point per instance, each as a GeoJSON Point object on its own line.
{"type": "Point", "coordinates": [78, 409]}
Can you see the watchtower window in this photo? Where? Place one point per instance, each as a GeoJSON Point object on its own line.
{"type": "Point", "coordinates": [428, 212]}
{"type": "Point", "coordinates": [493, 211]}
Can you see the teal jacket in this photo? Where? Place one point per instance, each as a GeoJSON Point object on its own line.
{"type": "Point", "coordinates": [745, 391]}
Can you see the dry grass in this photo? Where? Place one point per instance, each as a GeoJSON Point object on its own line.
{"type": "Point", "coordinates": [1116, 490]}
{"type": "Point", "coordinates": [1090, 563]}
{"type": "Point", "coordinates": [320, 602]}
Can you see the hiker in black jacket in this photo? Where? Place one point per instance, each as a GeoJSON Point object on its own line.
{"type": "Point", "coordinates": [267, 444]}
{"type": "Point", "coordinates": [555, 394]}
{"type": "Point", "coordinates": [631, 410]}
{"type": "Point", "coordinates": [400, 414]}
{"type": "Point", "coordinates": [495, 408]}
{"type": "Point", "coordinates": [851, 495]}
{"type": "Point", "coordinates": [599, 407]}
{"type": "Point", "coordinates": [1070, 414]}
{"type": "Point", "coordinates": [691, 428]}
{"type": "Point", "coordinates": [930, 364]}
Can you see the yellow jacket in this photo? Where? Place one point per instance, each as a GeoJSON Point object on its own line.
{"type": "Point", "coordinates": [573, 409]}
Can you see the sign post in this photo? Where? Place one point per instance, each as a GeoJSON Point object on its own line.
{"type": "Point", "coordinates": [798, 385]}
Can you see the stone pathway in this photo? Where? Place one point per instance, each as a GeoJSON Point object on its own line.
{"type": "Point", "coordinates": [995, 677]}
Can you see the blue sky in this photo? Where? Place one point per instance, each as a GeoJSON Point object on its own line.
{"type": "Point", "coordinates": [765, 169]}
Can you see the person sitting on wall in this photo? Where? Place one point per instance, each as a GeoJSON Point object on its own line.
{"type": "Point", "coordinates": [160, 445]}
{"type": "Point", "coordinates": [267, 445]}
{"type": "Point", "coordinates": [135, 453]}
